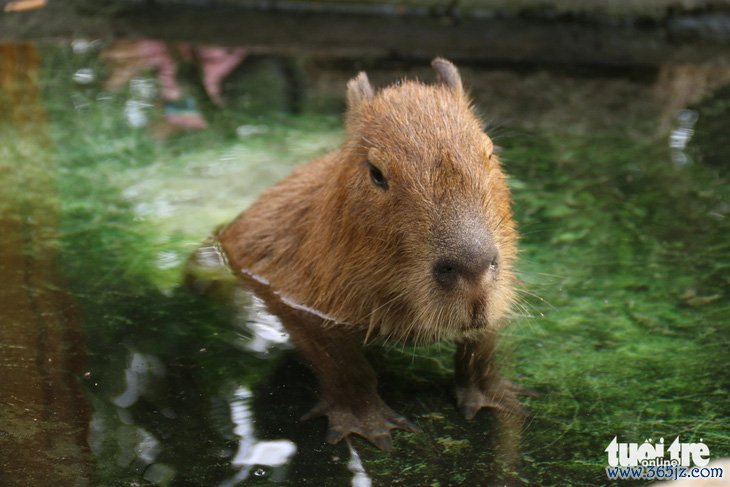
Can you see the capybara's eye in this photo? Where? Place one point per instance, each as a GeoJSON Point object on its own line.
{"type": "Point", "coordinates": [377, 176]}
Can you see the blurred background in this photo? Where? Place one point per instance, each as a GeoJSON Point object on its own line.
{"type": "Point", "coordinates": [130, 130]}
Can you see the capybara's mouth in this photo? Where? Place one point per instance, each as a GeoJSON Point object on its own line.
{"type": "Point", "coordinates": [478, 318]}
{"type": "Point", "coordinates": [476, 324]}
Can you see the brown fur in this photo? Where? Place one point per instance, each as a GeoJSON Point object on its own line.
{"type": "Point", "coordinates": [331, 240]}
{"type": "Point", "coordinates": [327, 238]}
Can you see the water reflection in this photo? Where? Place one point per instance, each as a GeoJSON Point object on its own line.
{"type": "Point", "coordinates": [207, 272]}
{"type": "Point", "coordinates": [681, 135]}
{"type": "Point", "coordinates": [139, 376]}
{"type": "Point", "coordinates": [43, 413]}
{"type": "Point", "coordinates": [251, 452]}
{"type": "Point", "coordinates": [679, 86]}
{"type": "Point", "coordinates": [111, 375]}
{"type": "Point", "coordinates": [128, 59]}
{"type": "Point", "coordinates": [23, 5]}
{"type": "Point", "coordinates": [84, 76]}
{"type": "Point", "coordinates": [360, 477]}
{"type": "Point", "coordinates": [266, 331]}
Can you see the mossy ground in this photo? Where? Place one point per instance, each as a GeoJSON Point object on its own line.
{"type": "Point", "coordinates": [623, 326]}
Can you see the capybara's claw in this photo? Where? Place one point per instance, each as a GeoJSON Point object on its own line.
{"type": "Point", "coordinates": [334, 436]}
{"type": "Point", "coordinates": [384, 442]}
{"type": "Point", "coordinates": [399, 422]}
{"type": "Point", "coordinates": [501, 396]}
{"type": "Point", "coordinates": [315, 412]}
{"type": "Point", "coordinates": [372, 422]}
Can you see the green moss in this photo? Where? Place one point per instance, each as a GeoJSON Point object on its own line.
{"type": "Point", "coordinates": [622, 327]}
{"type": "Point", "coordinates": [452, 446]}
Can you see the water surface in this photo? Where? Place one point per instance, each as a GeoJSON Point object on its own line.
{"type": "Point", "coordinates": [114, 373]}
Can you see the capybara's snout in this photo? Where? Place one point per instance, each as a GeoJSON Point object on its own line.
{"type": "Point", "coordinates": [465, 255]}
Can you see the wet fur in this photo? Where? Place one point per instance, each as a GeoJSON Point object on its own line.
{"type": "Point", "coordinates": [328, 238]}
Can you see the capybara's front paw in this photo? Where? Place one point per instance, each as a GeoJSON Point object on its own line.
{"type": "Point", "coordinates": [371, 420]}
{"type": "Point", "coordinates": [500, 394]}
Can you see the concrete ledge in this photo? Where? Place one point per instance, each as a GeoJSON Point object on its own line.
{"type": "Point", "coordinates": [287, 29]}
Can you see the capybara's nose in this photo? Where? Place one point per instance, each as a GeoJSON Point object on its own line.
{"type": "Point", "coordinates": [468, 263]}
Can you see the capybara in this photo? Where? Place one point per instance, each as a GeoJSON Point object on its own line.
{"type": "Point", "coordinates": [403, 233]}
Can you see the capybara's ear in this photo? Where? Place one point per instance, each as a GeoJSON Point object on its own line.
{"type": "Point", "coordinates": [448, 74]}
{"type": "Point", "coordinates": [359, 90]}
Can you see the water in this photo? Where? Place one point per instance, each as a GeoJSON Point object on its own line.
{"type": "Point", "coordinates": [113, 373]}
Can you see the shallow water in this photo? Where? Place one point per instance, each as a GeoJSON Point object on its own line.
{"type": "Point", "coordinates": [114, 374]}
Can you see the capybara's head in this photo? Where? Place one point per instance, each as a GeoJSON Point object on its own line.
{"type": "Point", "coordinates": [423, 218]}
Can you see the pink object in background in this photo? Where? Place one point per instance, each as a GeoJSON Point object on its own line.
{"type": "Point", "coordinates": [129, 58]}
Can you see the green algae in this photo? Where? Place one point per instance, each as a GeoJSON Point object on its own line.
{"type": "Point", "coordinates": [622, 327]}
